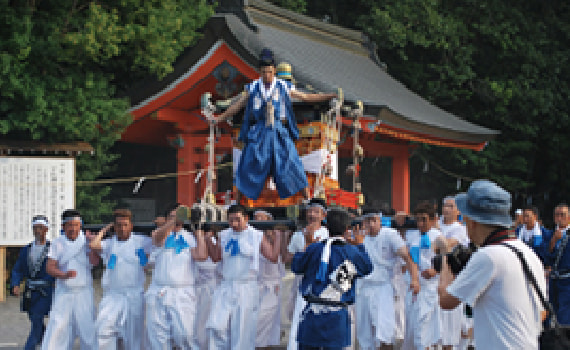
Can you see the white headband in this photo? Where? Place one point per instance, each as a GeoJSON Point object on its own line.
{"type": "Point", "coordinates": [264, 212]}
{"type": "Point", "coordinates": [71, 218]}
{"type": "Point", "coordinates": [40, 222]}
{"type": "Point", "coordinates": [371, 215]}
{"type": "Point", "coordinates": [317, 205]}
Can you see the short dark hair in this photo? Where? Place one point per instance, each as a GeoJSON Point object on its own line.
{"type": "Point", "coordinates": [533, 209]}
{"type": "Point", "coordinates": [237, 208]}
{"type": "Point", "coordinates": [425, 207]}
{"type": "Point", "coordinates": [70, 213]}
{"type": "Point", "coordinates": [123, 213]}
{"type": "Point", "coordinates": [338, 221]}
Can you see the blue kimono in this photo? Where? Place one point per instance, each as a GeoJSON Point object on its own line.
{"type": "Point", "coordinates": [268, 145]}
{"type": "Point", "coordinates": [325, 322]}
{"type": "Point", "coordinates": [536, 243]}
{"type": "Point", "coordinates": [42, 288]}
{"type": "Point", "coordinates": [559, 282]}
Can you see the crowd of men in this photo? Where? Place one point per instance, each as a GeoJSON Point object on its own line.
{"type": "Point", "coordinates": [222, 290]}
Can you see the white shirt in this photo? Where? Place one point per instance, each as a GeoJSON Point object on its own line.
{"type": "Point", "coordinates": [174, 268]}
{"type": "Point", "coordinates": [128, 271]}
{"type": "Point", "coordinates": [456, 231]}
{"type": "Point", "coordinates": [526, 234]}
{"type": "Point", "coordinates": [413, 239]}
{"type": "Point", "coordinates": [506, 310]}
{"type": "Point", "coordinates": [382, 250]}
{"type": "Point", "coordinates": [71, 255]}
{"type": "Point", "coordinates": [36, 251]}
{"type": "Point", "coordinates": [297, 244]}
{"type": "Point", "coordinates": [245, 265]}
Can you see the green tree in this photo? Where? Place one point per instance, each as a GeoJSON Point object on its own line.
{"type": "Point", "coordinates": [500, 64]}
{"type": "Point", "coordinates": [64, 65]}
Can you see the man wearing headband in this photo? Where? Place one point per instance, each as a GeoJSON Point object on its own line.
{"type": "Point", "coordinates": [329, 269]}
{"type": "Point", "coordinates": [121, 310]}
{"type": "Point", "coordinates": [422, 310]}
{"type": "Point", "coordinates": [70, 262]}
{"type": "Point", "coordinates": [270, 274]}
{"type": "Point", "coordinates": [207, 280]}
{"type": "Point", "coordinates": [506, 307]}
{"type": "Point", "coordinates": [233, 320]}
{"type": "Point", "coordinates": [38, 290]}
{"type": "Point", "coordinates": [269, 149]}
{"type": "Point", "coordinates": [375, 313]}
{"type": "Point", "coordinates": [314, 232]}
{"type": "Point", "coordinates": [171, 302]}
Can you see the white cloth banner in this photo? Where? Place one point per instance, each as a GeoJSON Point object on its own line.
{"type": "Point", "coordinates": [312, 162]}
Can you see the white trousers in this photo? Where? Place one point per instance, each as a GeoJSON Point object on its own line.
{"type": "Point", "coordinates": [269, 319]}
{"type": "Point", "coordinates": [121, 316]}
{"type": "Point", "coordinates": [170, 317]}
{"type": "Point", "coordinates": [422, 317]}
{"type": "Point", "coordinates": [71, 315]}
{"type": "Point", "coordinates": [451, 322]}
{"type": "Point", "coordinates": [204, 293]}
{"type": "Point", "coordinates": [232, 323]}
{"type": "Point", "coordinates": [375, 315]}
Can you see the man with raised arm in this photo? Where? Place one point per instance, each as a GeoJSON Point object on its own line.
{"type": "Point", "coordinates": [268, 131]}
{"type": "Point", "coordinates": [121, 311]}
{"type": "Point", "coordinates": [233, 319]}
{"type": "Point", "coordinates": [171, 297]}
{"type": "Point", "coordinates": [72, 312]}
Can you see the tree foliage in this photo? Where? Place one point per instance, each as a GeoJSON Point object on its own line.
{"type": "Point", "coordinates": [500, 64]}
{"type": "Point", "coordinates": [65, 63]}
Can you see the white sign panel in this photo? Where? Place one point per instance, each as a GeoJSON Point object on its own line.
{"type": "Point", "coordinates": [33, 186]}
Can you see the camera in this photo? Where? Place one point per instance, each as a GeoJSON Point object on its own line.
{"type": "Point", "coordinates": [456, 259]}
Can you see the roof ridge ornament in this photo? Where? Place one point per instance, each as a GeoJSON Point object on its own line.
{"type": "Point", "coordinates": [237, 7]}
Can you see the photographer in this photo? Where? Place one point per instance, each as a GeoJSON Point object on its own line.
{"type": "Point", "coordinates": [506, 309]}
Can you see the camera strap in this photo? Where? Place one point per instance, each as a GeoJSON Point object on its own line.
{"type": "Point", "coordinates": [547, 306]}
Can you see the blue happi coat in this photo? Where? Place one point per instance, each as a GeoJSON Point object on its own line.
{"type": "Point", "coordinates": [269, 150]}
{"type": "Point", "coordinates": [559, 289]}
{"type": "Point", "coordinates": [40, 304]}
{"type": "Point", "coordinates": [322, 325]}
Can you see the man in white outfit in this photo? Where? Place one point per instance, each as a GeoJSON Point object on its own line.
{"type": "Point", "coordinates": [121, 310]}
{"type": "Point", "coordinates": [375, 314]}
{"type": "Point", "coordinates": [455, 233]}
{"type": "Point", "coordinates": [270, 274]}
{"type": "Point", "coordinates": [506, 307]}
{"type": "Point", "coordinates": [313, 232]}
{"type": "Point", "coordinates": [171, 297]}
{"type": "Point", "coordinates": [422, 310]}
{"type": "Point", "coordinates": [206, 283]}
{"type": "Point", "coordinates": [233, 319]}
{"type": "Point", "coordinates": [72, 310]}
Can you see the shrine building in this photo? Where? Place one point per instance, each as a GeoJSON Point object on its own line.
{"type": "Point", "coordinates": [169, 128]}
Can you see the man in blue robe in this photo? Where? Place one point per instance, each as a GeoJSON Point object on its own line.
{"type": "Point", "coordinates": [268, 132]}
{"type": "Point", "coordinates": [557, 255]}
{"type": "Point", "coordinates": [329, 269]}
{"type": "Point", "coordinates": [38, 290]}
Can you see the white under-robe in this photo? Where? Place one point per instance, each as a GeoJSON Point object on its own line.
{"type": "Point", "coordinates": [206, 283]}
{"type": "Point", "coordinates": [121, 310]}
{"type": "Point", "coordinates": [375, 315]}
{"type": "Point", "coordinates": [171, 297]}
{"type": "Point", "coordinates": [233, 318]}
{"type": "Point", "coordinates": [269, 319]}
{"type": "Point", "coordinates": [72, 310]}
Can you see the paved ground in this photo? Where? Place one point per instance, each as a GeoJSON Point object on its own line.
{"type": "Point", "coordinates": [14, 325]}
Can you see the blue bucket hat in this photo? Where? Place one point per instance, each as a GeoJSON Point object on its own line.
{"type": "Point", "coordinates": [487, 203]}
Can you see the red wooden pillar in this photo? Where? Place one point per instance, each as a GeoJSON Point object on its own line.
{"type": "Point", "coordinates": [401, 180]}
